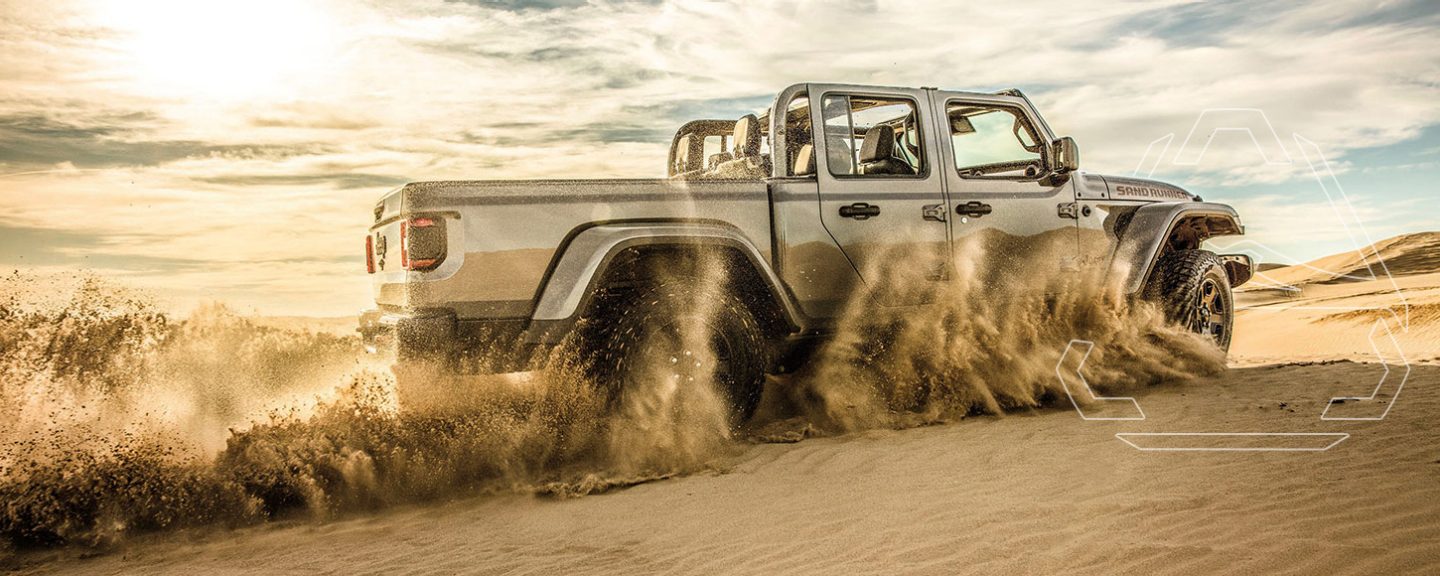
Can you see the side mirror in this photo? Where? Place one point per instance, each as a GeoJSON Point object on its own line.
{"type": "Point", "coordinates": [1065, 155]}
{"type": "Point", "coordinates": [961, 125]}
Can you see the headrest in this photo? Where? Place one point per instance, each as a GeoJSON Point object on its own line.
{"type": "Point", "coordinates": [879, 143]}
{"type": "Point", "coordinates": [682, 154]}
{"type": "Point", "coordinates": [804, 161]}
{"type": "Point", "coordinates": [747, 136]}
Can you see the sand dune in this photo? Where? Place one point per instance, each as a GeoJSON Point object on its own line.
{"type": "Point", "coordinates": [1329, 308]}
{"type": "Point", "coordinates": [1403, 255]}
{"type": "Point", "coordinates": [1337, 321]}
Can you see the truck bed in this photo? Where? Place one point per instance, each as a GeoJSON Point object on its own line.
{"type": "Point", "coordinates": [502, 235]}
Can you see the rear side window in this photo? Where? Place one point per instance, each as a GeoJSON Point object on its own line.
{"type": "Point", "coordinates": [872, 136]}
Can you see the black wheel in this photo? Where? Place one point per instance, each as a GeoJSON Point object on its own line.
{"type": "Point", "coordinates": [1194, 290]}
{"type": "Point", "coordinates": [680, 333]}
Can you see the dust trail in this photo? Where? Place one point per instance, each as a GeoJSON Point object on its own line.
{"type": "Point", "coordinates": [76, 350]}
{"type": "Point", "coordinates": [122, 420]}
{"type": "Point", "coordinates": [114, 434]}
{"type": "Point", "coordinates": [989, 341]}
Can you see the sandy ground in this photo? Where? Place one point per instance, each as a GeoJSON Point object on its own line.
{"type": "Point", "coordinates": [1042, 492]}
{"type": "Point", "coordinates": [1330, 321]}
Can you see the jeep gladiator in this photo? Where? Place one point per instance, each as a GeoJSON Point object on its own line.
{"type": "Point", "coordinates": [806, 205]}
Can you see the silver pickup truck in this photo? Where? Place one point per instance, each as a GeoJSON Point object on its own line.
{"type": "Point", "coordinates": [836, 190]}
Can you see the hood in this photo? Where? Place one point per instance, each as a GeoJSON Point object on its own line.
{"type": "Point", "coordinates": [1128, 188]}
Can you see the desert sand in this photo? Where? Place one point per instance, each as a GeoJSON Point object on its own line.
{"type": "Point", "coordinates": [1041, 491]}
{"type": "Point", "coordinates": [1327, 309]}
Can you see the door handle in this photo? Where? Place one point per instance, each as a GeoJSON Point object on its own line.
{"type": "Point", "coordinates": [860, 211]}
{"type": "Point", "coordinates": [972, 209]}
{"type": "Point", "coordinates": [933, 212]}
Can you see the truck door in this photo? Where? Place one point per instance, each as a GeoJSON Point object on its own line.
{"type": "Point", "coordinates": [881, 193]}
{"type": "Point", "coordinates": [1010, 228]}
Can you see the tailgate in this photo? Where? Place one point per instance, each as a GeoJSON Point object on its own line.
{"type": "Point", "coordinates": [403, 245]}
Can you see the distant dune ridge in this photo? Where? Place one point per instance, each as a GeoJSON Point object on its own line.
{"type": "Point", "coordinates": [1344, 306]}
{"type": "Point", "coordinates": [1404, 255]}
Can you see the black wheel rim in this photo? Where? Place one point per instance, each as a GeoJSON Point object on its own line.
{"type": "Point", "coordinates": [1210, 314]}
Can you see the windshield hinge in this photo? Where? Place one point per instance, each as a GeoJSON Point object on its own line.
{"type": "Point", "coordinates": [1069, 210]}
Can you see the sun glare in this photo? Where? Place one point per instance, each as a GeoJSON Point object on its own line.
{"type": "Point", "coordinates": [238, 50]}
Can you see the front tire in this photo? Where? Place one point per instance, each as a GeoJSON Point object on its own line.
{"type": "Point", "coordinates": [1194, 290]}
{"type": "Point", "coordinates": [683, 332]}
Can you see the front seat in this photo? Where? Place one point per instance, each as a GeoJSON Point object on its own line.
{"type": "Point", "coordinates": [748, 163]}
{"type": "Point", "coordinates": [804, 164]}
{"type": "Point", "coordinates": [877, 154]}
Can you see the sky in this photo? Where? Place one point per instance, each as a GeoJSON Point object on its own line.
{"type": "Point", "coordinates": [233, 151]}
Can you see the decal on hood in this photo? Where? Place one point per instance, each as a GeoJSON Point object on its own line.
{"type": "Point", "coordinates": [1147, 189]}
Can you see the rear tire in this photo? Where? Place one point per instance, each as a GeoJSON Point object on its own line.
{"type": "Point", "coordinates": [683, 331]}
{"type": "Point", "coordinates": [1194, 290]}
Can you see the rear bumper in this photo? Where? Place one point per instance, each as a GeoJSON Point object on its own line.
{"type": "Point", "coordinates": [471, 346]}
{"type": "Point", "coordinates": [410, 333]}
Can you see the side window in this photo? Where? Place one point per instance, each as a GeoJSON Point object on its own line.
{"type": "Point", "coordinates": [993, 142]}
{"type": "Point", "coordinates": [872, 136]}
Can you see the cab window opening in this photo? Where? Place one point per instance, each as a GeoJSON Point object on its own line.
{"type": "Point", "coordinates": [872, 136]}
{"type": "Point", "coordinates": [993, 141]}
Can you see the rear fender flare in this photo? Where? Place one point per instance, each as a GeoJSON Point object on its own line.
{"type": "Point", "coordinates": [1143, 239]}
{"type": "Point", "coordinates": [590, 252]}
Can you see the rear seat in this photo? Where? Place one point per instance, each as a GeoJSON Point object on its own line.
{"type": "Point", "coordinates": [748, 163]}
{"type": "Point", "coordinates": [717, 159]}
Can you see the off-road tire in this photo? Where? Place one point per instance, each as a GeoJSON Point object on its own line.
{"type": "Point", "coordinates": [624, 335]}
{"type": "Point", "coordinates": [1194, 290]}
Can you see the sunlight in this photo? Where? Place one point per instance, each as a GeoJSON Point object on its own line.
{"type": "Point", "coordinates": [225, 51]}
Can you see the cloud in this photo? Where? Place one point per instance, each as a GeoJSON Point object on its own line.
{"type": "Point", "coordinates": [34, 139]}
{"type": "Point", "coordinates": [284, 153]}
{"type": "Point", "coordinates": [524, 4]}
{"type": "Point", "coordinates": [1297, 226]}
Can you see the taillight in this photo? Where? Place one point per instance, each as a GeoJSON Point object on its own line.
{"type": "Point", "coordinates": [369, 254]}
{"type": "Point", "coordinates": [422, 243]}
{"type": "Point", "coordinates": [405, 245]}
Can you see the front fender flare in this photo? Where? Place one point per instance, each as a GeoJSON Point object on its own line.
{"type": "Point", "coordinates": [589, 253]}
{"type": "Point", "coordinates": [1142, 240]}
